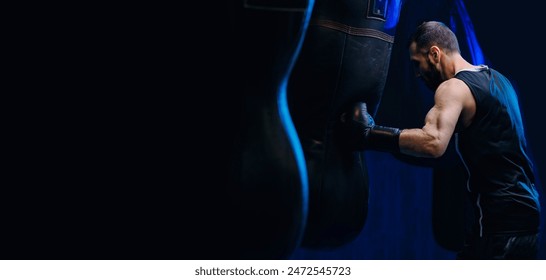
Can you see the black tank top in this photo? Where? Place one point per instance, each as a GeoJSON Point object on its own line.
{"type": "Point", "coordinates": [501, 181]}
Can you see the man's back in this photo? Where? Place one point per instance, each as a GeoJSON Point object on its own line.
{"type": "Point", "coordinates": [501, 180]}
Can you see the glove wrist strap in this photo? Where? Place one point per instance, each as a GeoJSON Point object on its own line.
{"type": "Point", "coordinates": [384, 138]}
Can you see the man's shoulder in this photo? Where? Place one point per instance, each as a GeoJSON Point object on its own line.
{"type": "Point", "coordinates": [453, 84]}
{"type": "Point", "coordinates": [452, 90]}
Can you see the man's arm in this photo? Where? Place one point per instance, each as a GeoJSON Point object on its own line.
{"type": "Point", "coordinates": [432, 140]}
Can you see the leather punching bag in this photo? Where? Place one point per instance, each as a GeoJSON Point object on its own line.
{"type": "Point", "coordinates": [344, 59]}
{"type": "Point", "coordinates": [269, 184]}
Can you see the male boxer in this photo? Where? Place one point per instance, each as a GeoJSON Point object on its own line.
{"type": "Point", "coordinates": [478, 106]}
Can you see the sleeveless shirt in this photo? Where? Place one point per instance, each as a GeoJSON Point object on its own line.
{"type": "Point", "coordinates": [501, 184]}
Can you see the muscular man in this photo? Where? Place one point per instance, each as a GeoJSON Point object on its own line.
{"type": "Point", "coordinates": [478, 106]}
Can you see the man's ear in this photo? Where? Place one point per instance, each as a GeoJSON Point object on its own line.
{"type": "Point", "coordinates": [434, 54]}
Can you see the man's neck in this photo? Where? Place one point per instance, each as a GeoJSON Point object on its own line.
{"type": "Point", "coordinates": [458, 63]}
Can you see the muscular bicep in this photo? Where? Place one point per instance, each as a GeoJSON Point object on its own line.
{"type": "Point", "coordinates": [442, 118]}
{"type": "Point", "coordinates": [432, 139]}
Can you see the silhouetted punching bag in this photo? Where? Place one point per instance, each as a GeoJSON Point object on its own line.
{"type": "Point", "coordinates": [344, 59]}
{"type": "Point", "coordinates": [269, 176]}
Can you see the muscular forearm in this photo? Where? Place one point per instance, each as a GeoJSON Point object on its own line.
{"type": "Point", "coordinates": [360, 132]}
{"type": "Point", "coordinates": [417, 142]}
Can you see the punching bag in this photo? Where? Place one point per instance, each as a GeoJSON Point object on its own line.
{"type": "Point", "coordinates": [344, 59]}
{"type": "Point", "coordinates": [268, 188]}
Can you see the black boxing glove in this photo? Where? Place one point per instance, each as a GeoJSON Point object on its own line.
{"type": "Point", "coordinates": [360, 132]}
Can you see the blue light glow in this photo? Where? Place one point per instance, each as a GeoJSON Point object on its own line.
{"type": "Point", "coordinates": [393, 14]}
{"type": "Point", "coordinates": [504, 91]}
{"type": "Point", "coordinates": [287, 123]}
{"type": "Point", "coordinates": [475, 50]}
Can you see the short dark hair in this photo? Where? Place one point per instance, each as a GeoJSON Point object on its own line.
{"type": "Point", "coordinates": [431, 33]}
